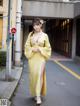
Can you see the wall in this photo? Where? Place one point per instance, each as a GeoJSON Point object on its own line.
{"type": "Point", "coordinates": [48, 9]}
{"type": "Point", "coordinates": [5, 13]}
{"type": "Point", "coordinates": [49, 0]}
{"type": "Point", "coordinates": [77, 9]}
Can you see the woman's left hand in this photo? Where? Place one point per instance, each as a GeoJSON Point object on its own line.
{"type": "Point", "coordinates": [38, 49]}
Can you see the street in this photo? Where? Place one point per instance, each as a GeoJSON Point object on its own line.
{"type": "Point", "coordinates": [63, 89]}
{"type": "Point", "coordinates": [58, 35]}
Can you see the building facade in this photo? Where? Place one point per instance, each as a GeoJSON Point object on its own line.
{"type": "Point", "coordinates": [3, 22]}
{"type": "Point", "coordinates": [62, 23]}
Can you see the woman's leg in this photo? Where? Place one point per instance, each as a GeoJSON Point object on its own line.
{"type": "Point", "coordinates": [40, 84]}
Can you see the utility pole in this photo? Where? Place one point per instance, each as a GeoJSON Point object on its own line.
{"type": "Point", "coordinates": [18, 33]}
{"type": "Point", "coordinates": [8, 54]}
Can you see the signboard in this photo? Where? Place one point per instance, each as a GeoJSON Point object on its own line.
{"type": "Point", "coordinates": [13, 30]}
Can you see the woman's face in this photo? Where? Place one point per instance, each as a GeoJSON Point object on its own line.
{"type": "Point", "coordinates": [37, 28]}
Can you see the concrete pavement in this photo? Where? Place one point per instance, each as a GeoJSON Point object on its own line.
{"type": "Point", "coordinates": [7, 88]}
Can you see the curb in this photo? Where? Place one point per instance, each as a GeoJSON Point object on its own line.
{"type": "Point", "coordinates": [8, 93]}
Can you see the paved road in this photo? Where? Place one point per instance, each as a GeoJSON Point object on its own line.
{"type": "Point", "coordinates": [63, 89]}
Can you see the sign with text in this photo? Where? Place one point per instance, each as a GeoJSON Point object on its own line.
{"type": "Point", "coordinates": [3, 102]}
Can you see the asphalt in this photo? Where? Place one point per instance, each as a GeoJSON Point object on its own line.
{"type": "Point", "coordinates": [73, 65]}
{"type": "Point", "coordinates": [63, 89]}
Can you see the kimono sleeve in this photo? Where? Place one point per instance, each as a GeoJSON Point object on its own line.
{"type": "Point", "coordinates": [46, 50]}
{"type": "Point", "coordinates": [28, 48]}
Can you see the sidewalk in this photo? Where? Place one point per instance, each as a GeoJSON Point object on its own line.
{"type": "Point", "coordinates": [7, 88]}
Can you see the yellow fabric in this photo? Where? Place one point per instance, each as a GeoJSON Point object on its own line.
{"type": "Point", "coordinates": [36, 62]}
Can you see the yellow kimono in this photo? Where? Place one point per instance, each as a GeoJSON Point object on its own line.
{"type": "Point", "coordinates": [36, 62]}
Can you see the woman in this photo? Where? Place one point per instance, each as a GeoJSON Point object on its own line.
{"type": "Point", "coordinates": [38, 51]}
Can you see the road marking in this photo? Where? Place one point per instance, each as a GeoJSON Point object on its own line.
{"type": "Point", "coordinates": [67, 69]}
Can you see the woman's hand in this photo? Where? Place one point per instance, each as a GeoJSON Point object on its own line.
{"type": "Point", "coordinates": [39, 50]}
{"type": "Point", "coordinates": [35, 49]}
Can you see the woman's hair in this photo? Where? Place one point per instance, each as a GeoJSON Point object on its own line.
{"type": "Point", "coordinates": [37, 21]}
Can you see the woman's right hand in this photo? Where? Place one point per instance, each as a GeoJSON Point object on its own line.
{"type": "Point", "coordinates": [34, 49]}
